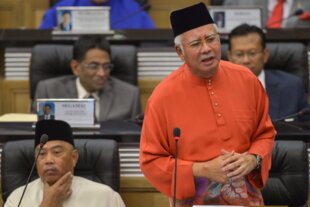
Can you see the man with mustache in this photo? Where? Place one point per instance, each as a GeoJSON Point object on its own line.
{"type": "Point", "coordinates": [92, 65]}
{"type": "Point", "coordinates": [56, 185]}
{"type": "Point", "coordinates": [286, 92]}
{"type": "Point", "coordinates": [227, 137]}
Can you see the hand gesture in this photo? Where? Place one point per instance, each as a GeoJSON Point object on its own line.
{"type": "Point", "coordinates": [213, 169]}
{"type": "Point", "coordinates": [238, 165]}
{"type": "Point", "coordinates": [56, 194]}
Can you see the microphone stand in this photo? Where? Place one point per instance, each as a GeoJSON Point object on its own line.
{"type": "Point", "coordinates": [291, 116]}
{"type": "Point", "coordinates": [43, 140]}
{"type": "Point", "coordinates": [176, 135]}
{"type": "Point", "coordinates": [175, 171]}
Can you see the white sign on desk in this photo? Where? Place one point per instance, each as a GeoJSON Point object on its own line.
{"type": "Point", "coordinates": [90, 20]}
{"type": "Point", "coordinates": [77, 112]}
{"type": "Point", "coordinates": [227, 18]}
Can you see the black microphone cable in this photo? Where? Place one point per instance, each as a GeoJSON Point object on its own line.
{"type": "Point", "coordinates": [43, 140]}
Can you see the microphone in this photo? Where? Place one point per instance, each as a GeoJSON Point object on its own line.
{"type": "Point", "coordinates": [305, 16]}
{"type": "Point", "coordinates": [291, 116]}
{"type": "Point", "coordinates": [144, 7]}
{"type": "Point", "coordinates": [296, 13]}
{"type": "Point", "coordinates": [43, 140]}
{"type": "Point", "coordinates": [176, 135]}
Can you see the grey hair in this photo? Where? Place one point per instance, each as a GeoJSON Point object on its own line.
{"type": "Point", "coordinates": [178, 39]}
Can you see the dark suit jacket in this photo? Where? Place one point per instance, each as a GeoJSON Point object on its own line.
{"type": "Point", "coordinates": [118, 101]}
{"type": "Point", "coordinates": [63, 28]}
{"type": "Point", "coordinates": [286, 93]}
{"type": "Point", "coordinates": [41, 117]}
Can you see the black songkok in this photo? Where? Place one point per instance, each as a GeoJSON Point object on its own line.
{"type": "Point", "coordinates": [188, 18]}
{"type": "Point", "coordinates": [55, 130]}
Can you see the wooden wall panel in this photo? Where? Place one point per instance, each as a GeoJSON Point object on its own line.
{"type": "Point", "coordinates": [37, 9]}
{"type": "Point", "coordinates": [138, 192]}
{"type": "Point", "coordinates": [161, 9]}
{"type": "Point", "coordinates": [16, 96]}
{"type": "Point", "coordinates": [21, 13]}
{"type": "Point", "coordinates": [10, 13]}
{"type": "Point", "coordinates": [146, 89]}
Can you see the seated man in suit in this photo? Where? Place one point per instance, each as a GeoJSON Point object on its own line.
{"type": "Point", "coordinates": [124, 14]}
{"type": "Point", "coordinates": [91, 65]}
{"type": "Point", "coordinates": [57, 186]}
{"type": "Point", "coordinates": [286, 92]}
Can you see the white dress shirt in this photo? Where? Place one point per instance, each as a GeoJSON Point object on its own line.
{"type": "Point", "coordinates": [85, 193]}
{"type": "Point", "coordinates": [261, 78]}
{"type": "Point", "coordinates": [82, 93]}
{"type": "Point", "coordinates": [286, 7]}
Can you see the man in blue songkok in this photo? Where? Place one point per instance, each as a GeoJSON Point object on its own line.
{"type": "Point", "coordinates": [125, 14]}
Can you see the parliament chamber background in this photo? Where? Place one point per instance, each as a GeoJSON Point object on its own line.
{"type": "Point", "coordinates": [156, 59]}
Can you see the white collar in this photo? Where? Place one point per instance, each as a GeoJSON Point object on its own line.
{"type": "Point", "coordinates": [261, 78]}
{"type": "Point", "coordinates": [81, 91]}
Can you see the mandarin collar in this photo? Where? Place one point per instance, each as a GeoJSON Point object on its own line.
{"type": "Point", "coordinates": [199, 80]}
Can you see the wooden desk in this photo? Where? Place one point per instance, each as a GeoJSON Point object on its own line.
{"type": "Point", "coordinates": [121, 131]}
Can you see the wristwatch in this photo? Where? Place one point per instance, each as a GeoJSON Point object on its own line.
{"type": "Point", "coordinates": [258, 161]}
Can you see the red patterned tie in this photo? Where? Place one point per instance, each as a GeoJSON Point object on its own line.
{"type": "Point", "coordinates": [274, 20]}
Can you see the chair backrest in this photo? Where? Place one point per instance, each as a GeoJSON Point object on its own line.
{"type": "Point", "coordinates": [289, 175]}
{"type": "Point", "coordinates": [290, 57]}
{"type": "Point", "coordinates": [49, 61]}
{"type": "Point", "coordinates": [98, 161]}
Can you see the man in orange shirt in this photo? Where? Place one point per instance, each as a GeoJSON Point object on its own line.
{"type": "Point", "coordinates": [221, 108]}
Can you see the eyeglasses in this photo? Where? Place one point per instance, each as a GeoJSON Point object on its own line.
{"type": "Point", "coordinates": [211, 39]}
{"type": "Point", "coordinates": [242, 54]}
{"type": "Point", "coordinates": [97, 66]}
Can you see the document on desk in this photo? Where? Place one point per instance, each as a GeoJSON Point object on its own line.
{"type": "Point", "coordinates": [18, 117]}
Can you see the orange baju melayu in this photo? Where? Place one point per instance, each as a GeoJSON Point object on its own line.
{"type": "Point", "coordinates": [228, 111]}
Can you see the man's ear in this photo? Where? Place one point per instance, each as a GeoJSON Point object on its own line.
{"type": "Point", "coordinates": [75, 157]}
{"type": "Point", "coordinates": [75, 67]}
{"type": "Point", "coordinates": [179, 51]}
{"type": "Point", "coordinates": [266, 54]}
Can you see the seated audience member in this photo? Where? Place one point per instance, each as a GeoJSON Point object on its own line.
{"type": "Point", "coordinates": [56, 185]}
{"type": "Point", "coordinates": [91, 65]}
{"type": "Point", "coordinates": [124, 14]}
{"type": "Point", "coordinates": [278, 13]}
{"type": "Point", "coordinates": [286, 92]}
